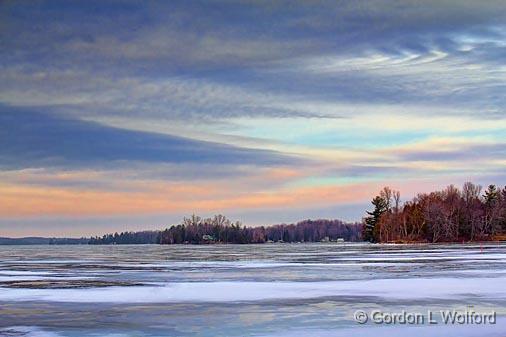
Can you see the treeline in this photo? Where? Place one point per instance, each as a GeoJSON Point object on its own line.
{"type": "Point", "coordinates": [143, 237]}
{"type": "Point", "coordinates": [219, 229]}
{"type": "Point", "coordinates": [68, 241]}
{"type": "Point", "coordinates": [450, 215]}
{"type": "Point", "coordinates": [43, 241]}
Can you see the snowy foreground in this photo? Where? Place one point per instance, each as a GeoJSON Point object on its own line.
{"type": "Point", "coordinates": [250, 290]}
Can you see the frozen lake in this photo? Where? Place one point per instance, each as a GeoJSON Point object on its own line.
{"type": "Point", "coordinates": [247, 290]}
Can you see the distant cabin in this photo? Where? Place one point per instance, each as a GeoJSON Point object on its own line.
{"type": "Point", "coordinates": [208, 238]}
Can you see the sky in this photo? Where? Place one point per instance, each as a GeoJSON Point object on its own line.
{"type": "Point", "coordinates": [129, 115]}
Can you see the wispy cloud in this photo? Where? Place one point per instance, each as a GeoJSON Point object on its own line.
{"type": "Point", "coordinates": [220, 105]}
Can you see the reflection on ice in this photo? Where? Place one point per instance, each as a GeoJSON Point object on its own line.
{"type": "Point", "coordinates": [238, 290]}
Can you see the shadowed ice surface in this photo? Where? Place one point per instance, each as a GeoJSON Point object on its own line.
{"type": "Point", "coordinates": [247, 290]}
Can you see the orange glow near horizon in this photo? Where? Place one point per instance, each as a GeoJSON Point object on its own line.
{"type": "Point", "coordinates": [31, 201]}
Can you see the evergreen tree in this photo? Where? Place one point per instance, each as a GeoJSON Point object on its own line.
{"type": "Point", "coordinates": [371, 222]}
{"type": "Point", "coordinates": [491, 195]}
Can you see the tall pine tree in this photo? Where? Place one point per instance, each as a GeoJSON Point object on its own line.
{"type": "Point", "coordinates": [491, 195]}
{"type": "Point", "coordinates": [371, 222]}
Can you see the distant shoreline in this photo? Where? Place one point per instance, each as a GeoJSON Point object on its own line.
{"type": "Point", "coordinates": [42, 241]}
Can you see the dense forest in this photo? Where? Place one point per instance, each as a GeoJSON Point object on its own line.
{"type": "Point", "coordinates": [450, 215]}
{"type": "Point", "coordinates": [219, 229]}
